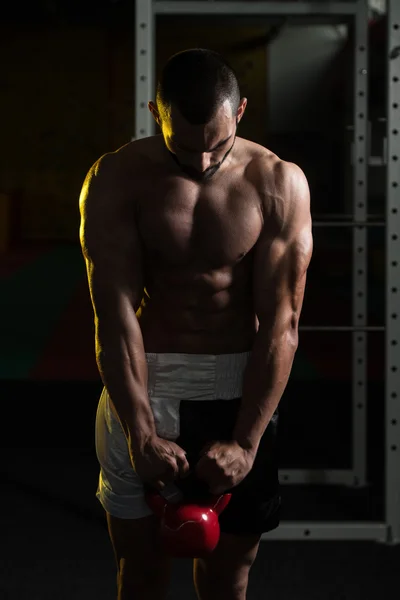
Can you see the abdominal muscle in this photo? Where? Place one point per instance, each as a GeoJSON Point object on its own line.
{"type": "Point", "coordinates": [204, 316]}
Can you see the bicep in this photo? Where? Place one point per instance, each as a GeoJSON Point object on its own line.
{"type": "Point", "coordinates": [282, 260]}
{"type": "Point", "coordinates": [111, 247]}
{"type": "Point", "coordinates": [115, 274]}
{"type": "Point", "coordinates": [279, 279]}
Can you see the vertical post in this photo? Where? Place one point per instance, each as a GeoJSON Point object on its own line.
{"type": "Point", "coordinates": [360, 210]}
{"type": "Point", "coordinates": [144, 56]}
{"type": "Point", "coordinates": [392, 392]}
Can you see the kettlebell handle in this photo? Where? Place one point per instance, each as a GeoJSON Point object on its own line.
{"type": "Point", "coordinates": [158, 503]}
{"type": "Point", "coordinates": [221, 503]}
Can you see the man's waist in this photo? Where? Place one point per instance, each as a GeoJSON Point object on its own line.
{"type": "Point", "coordinates": [183, 376]}
{"type": "Point", "coordinates": [159, 337]}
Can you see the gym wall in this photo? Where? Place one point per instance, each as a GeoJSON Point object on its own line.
{"type": "Point", "coordinates": [67, 99]}
{"type": "Point", "coordinates": [68, 96]}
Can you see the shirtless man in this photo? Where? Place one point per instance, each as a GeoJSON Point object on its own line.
{"type": "Point", "coordinates": [197, 244]}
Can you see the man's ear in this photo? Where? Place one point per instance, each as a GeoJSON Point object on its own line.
{"type": "Point", "coordinates": [154, 111]}
{"type": "Point", "coordinates": [241, 109]}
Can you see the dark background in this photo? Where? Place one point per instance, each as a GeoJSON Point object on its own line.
{"type": "Point", "coordinates": [67, 97]}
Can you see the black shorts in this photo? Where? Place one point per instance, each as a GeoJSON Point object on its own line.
{"type": "Point", "coordinates": [255, 504]}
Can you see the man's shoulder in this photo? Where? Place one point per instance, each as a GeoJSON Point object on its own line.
{"type": "Point", "coordinates": [280, 184]}
{"type": "Point", "coordinates": [271, 168]}
{"type": "Point", "coordinates": [141, 148]}
{"type": "Point", "coordinates": [115, 173]}
{"type": "Point", "coordinates": [132, 156]}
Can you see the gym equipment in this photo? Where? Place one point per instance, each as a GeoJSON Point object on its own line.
{"type": "Point", "coordinates": [188, 529]}
{"type": "Point", "coordinates": [146, 11]}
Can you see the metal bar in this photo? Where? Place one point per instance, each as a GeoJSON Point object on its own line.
{"type": "Point", "coordinates": [349, 224]}
{"type": "Point", "coordinates": [253, 8]}
{"type": "Point", "coordinates": [377, 161]}
{"type": "Point", "coordinates": [144, 71]}
{"type": "Point", "coordinates": [345, 328]}
{"type": "Point", "coordinates": [359, 288]}
{"type": "Point", "coordinates": [316, 476]}
{"type": "Point", "coordinates": [337, 216]}
{"type": "Point", "coordinates": [392, 393]}
{"type": "Point", "coordinates": [348, 531]}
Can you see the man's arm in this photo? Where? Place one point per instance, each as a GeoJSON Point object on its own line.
{"type": "Point", "coordinates": [111, 247]}
{"type": "Point", "coordinates": [281, 261]}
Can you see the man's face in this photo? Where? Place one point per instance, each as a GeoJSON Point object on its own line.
{"type": "Point", "coordinates": [200, 150]}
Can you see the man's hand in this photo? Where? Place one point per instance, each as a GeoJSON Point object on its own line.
{"type": "Point", "coordinates": [159, 462]}
{"type": "Point", "coordinates": [224, 465]}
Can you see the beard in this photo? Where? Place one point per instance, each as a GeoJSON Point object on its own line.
{"type": "Point", "coordinates": [202, 176]}
{"type": "Point", "coordinates": [197, 175]}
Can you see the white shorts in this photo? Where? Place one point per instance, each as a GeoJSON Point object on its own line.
{"type": "Point", "coordinates": [172, 378]}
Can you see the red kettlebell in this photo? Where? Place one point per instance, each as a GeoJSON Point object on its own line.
{"type": "Point", "coordinates": [188, 530]}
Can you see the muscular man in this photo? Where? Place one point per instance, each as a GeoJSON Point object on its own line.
{"type": "Point", "coordinates": [197, 244]}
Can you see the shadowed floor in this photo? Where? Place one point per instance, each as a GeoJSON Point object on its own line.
{"type": "Point", "coordinates": [54, 543]}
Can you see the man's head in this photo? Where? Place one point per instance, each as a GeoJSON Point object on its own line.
{"type": "Point", "coordinates": [198, 107]}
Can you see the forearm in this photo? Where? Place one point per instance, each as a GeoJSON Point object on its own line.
{"type": "Point", "coordinates": [265, 379]}
{"type": "Point", "coordinates": [122, 364]}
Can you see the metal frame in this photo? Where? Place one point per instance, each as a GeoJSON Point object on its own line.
{"type": "Point", "coordinates": [359, 290]}
{"type": "Point", "coordinates": [392, 393]}
{"type": "Point", "coordinates": [146, 12]}
{"type": "Point", "coordinates": [165, 7]}
{"type": "Point", "coordinates": [144, 67]}
{"type": "Point", "coordinates": [341, 531]}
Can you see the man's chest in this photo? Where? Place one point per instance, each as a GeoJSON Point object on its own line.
{"type": "Point", "coordinates": [180, 223]}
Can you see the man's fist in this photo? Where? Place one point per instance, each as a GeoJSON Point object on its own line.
{"type": "Point", "coordinates": [223, 465]}
{"type": "Point", "coordinates": [160, 462]}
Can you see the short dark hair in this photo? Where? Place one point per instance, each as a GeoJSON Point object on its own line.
{"type": "Point", "coordinates": [197, 82]}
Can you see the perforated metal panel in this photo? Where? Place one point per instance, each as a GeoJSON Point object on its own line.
{"type": "Point", "coordinates": [144, 67]}
{"type": "Point", "coordinates": [393, 277]}
{"type": "Point", "coordinates": [359, 291]}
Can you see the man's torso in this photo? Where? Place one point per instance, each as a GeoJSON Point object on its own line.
{"type": "Point", "coordinates": [198, 242]}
